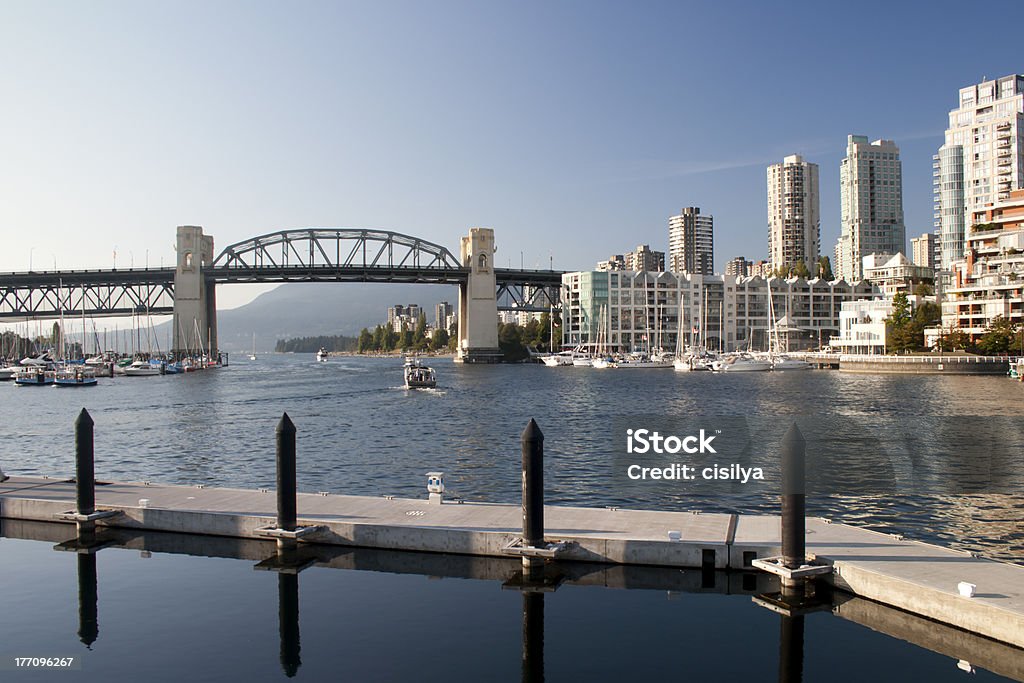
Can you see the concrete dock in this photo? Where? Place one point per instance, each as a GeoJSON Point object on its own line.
{"type": "Point", "coordinates": [916, 577]}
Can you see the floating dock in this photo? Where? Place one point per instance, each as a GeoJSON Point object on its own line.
{"type": "Point", "coordinates": [916, 577]}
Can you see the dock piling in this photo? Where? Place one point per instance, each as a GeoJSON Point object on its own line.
{"type": "Point", "coordinates": [533, 490]}
{"type": "Point", "coordinates": [286, 493]}
{"type": "Point", "coordinates": [794, 533]}
{"type": "Point", "coordinates": [85, 477]}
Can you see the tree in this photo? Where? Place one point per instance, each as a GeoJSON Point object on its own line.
{"type": "Point", "coordinates": [439, 340]}
{"type": "Point", "coordinates": [901, 336]}
{"type": "Point", "coordinates": [510, 342]}
{"type": "Point", "coordinates": [825, 268]}
{"type": "Point", "coordinates": [1000, 337]}
{"type": "Point", "coordinates": [924, 289]}
{"type": "Point", "coordinates": [954, 339]}
{"type": "Point", "coordinates": [801, 270]}
{"type": "Point", "coordinates": [365, 341]}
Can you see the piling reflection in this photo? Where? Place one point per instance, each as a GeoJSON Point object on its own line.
{"type": "Point", "coordinates": [288, 622]}
{"type": "Point", "coordinates": [88, 600]}
{"type": "Point", "coordinates": [533, 637]}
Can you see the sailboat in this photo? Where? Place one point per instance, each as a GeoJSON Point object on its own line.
{"type": "Point", "coordinates": [779, 360]}
{"type": "Point", "coordinates": [252, 356]}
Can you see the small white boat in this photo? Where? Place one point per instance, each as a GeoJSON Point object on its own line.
{"type": "Point", "coordinates": [555, 360]}
{"type": "Point", "coordinates": [418, 375]}
{"type": "Point", "coordinates": [741, 363]}
{"type": "Point", "coordinates": [641, 361]}
{"type": "Point", "coordinates": [780, 363]}
{"type": "Point", "coordinates": [142, 368]}
{"type": "Point", "coordinates": [321, 355]}
{"type": "Point", "coordinates": [7, 373]}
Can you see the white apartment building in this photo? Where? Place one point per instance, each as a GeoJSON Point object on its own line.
{"type": "Point", "coordinates": [923, 250]}
{"type": "Point", "coordinates": [691, 242]}
{"type": "Point", "coordinates": [626, 311]}
{"type": "Point", "coordinates": [989, 281]}
{"type": "Point", "coordinates": [981, 161]}
{"type": "Point", "coordinates": [895, 274]}
{"type": "Point", "coordinates": [862, 324]}
{"type": "Point", "coordinates": [794, 213]}
{"type": "Point", "coordinates": [871, 181]}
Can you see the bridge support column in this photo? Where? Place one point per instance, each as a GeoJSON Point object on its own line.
{"type": "Point", "coordinates": [478, 301]}
{"type": "Point", "coordinates": [195, 303]}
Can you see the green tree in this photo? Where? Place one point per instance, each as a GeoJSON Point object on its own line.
{"type": "Point", "coordinates": [365, 341]}
{"type": "Point", "coordinates": [901, 336]}
{"type": "Point", "coordinates": [510, 342]}
{"type": "Point", "coordinates": [1000, 337]}
{"type": "Point", "coordinates": [439, 340]}
{"type": "Point", "coordinates": [825, 268]}
{"type": "Point", "coordinates": [801, 270]}
{"type": "Point", "coordinates": [406, 340]}
{"type": "Point", "coordinates": [954, 339]}
{"type": "Point", "coordinates": [924, 289]}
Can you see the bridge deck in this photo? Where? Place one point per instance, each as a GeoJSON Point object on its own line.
{"type": "Point", "coordinates": [912, 576]}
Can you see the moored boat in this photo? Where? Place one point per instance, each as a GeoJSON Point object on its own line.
{"type": "Point", "coordinates": [33, 376]}
{"type": "Point", "coordinates": [75, 376]}
{"type": "Point", "coordinates": [743, 362]}
{"type": "Point", "coordinates": [142, 368]}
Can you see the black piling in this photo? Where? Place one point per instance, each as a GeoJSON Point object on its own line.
{"type": "Point", "coordinates": [533, 637]}
{"type": "Point", "coordinates": [533, 485]}
{"type": "Point", "coordinates": [88, 607]}
{"type": "Point", "coordinates": [85, 477]}
{"type": "Point", "coordinates": [794, 534]}
{"type": "Point", "coordinates": [286, 504]}
{"type": "Point", "coordinates": [288, 622]}
{"type": "Point", "coordinates": [791, 649]}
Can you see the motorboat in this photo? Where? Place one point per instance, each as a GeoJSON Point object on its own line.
{"type": "Point", "coordinates": [418, 375]}
{"type": "Point", "coordinates": [321, 355]}
{"type": "Point", "coordinates": [142, 368]}
{"type": "Point", "coordinates": [560, 359]}
{"type": "Point", "coordinates": [75, 376]}
{"type": "Point", "coordinates": [34, 376]}
{"type": "Point", "coordinates": [7, 373]}
{"type": "Point", "coordinates": [743, 362]}
{"type": "Point", "coordinates": [641, 361]}
{"type": "Point", "coordinates": [787, 363]}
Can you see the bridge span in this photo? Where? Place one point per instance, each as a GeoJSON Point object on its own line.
{"type": "Point", "coordinates": [188, 291]}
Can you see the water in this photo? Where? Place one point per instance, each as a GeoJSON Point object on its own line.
{"type": "Point", "coordinates": [170, 613]}
{"type": "Point", "coordinates": [359, 432]}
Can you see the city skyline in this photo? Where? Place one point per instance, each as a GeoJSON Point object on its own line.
{"type": "Point", "coordinates": [128, 121]}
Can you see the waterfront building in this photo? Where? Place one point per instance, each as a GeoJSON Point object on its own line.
{"type": "Point", "coordinates": [871, 184]}
{"type": "Point", "coordinates": [989, 281]}
{"type": "Point", "coordinates": [691, 242]}
{"type": "Point", "coordinates": [894, 274]}
{"type": "Point", "coordinates": [642, 258]}
{"type": "Point", "coordinates": [862, 324]}
{"type": "Point", "coordinates": [981, 160]}
{"type": "Point", "coordinates": [794, 214]}
{"type": "Point", "coordinates": [739, 267]}
{"type": "Point", "coordinates": [626, 311]}
{"type": "Point", "coordinates": [923, 250]}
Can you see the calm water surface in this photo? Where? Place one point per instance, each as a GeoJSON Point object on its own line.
{"type": "Point", "coordinates": [141, 615]}
{"type": "Point", "coordinates": [359, 432]}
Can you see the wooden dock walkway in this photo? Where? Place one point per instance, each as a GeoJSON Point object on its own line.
{"type": "Point", "coordinates": [912, 576]}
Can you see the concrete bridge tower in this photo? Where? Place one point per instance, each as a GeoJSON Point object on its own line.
{"type": "Point", "coordinates": [478, 301]}
{"type": "Point", "coordinates": [195, 300]}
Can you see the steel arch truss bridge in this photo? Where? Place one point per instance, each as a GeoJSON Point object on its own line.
{"type": "Point", "coordinates": [26, 296]}
{"type": "Point", "coordinates": [336, 255]}
{"type": "Point", "coordinates": [527, 290]}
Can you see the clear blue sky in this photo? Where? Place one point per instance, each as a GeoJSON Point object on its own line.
{"type": "Point", "coordinates": [572, 128]}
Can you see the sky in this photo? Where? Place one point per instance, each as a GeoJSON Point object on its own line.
{"type": "Point", "coordinates": [573, 128]}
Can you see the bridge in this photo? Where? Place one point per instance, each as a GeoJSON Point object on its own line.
{"type": "Point", "coordinates": [188, 291]}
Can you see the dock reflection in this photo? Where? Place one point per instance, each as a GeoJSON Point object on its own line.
{"type": "Point", "coordinates": [991, 655]}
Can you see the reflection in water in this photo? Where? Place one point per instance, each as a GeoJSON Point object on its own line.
{"type": "Point", "coordinates": [533, 637]}
{"type": "Point", "coordinates": [88, 599]}
{"type": "Point", "coordinates": [288, 621]}
{"type": "Point", "coordinates": [579, 619]}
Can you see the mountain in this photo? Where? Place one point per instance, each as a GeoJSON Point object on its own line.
{"type": "Point", "coordinates": [301, 309]}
